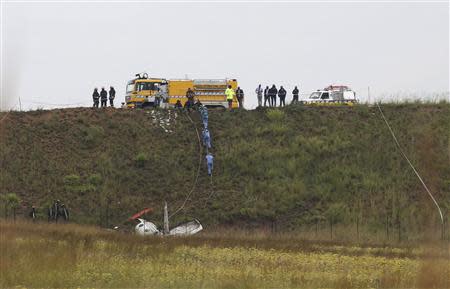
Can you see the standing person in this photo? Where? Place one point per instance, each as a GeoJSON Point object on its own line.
{"type": "Point", "coordinates": [282, 95]}
{"type": "Point", "coordinates": [95, 97]}
{"type": "Point", "coordinates": [206, 138]}
{"type": "Point", "coordinates": [103, 97]}
{"type": "Point", "coordinates": [165, 96]}
{"type": "Point", "coordinates": [229, 92]}
{"type": "Point", "coordinates": [259, 94]}
{"type": "Point", "coordinates": [53, 212]}
{"type": "Point", "coordinates": [112, 95]}
{"type": "Point", "coordinates": [273, 95]}
{"type": "Point", "coordinates": [33, 213]}
{"type": "Point", "coordinates": [190, 94]}
{"type": "Point", "coordinates": [295, 95]}
{"type": "Point", "coordinates": [158, 97]}
{"type": "Point", "coordinates": [266, 95]}
{"type": "Point", "coordinates": [209, 163]}
{"type": "Point", "coordinates": [240, 96]}
{"type": "Point", "coordinates": [64, 212]}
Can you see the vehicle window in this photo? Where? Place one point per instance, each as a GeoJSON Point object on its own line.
{"type": "Point", "coordinates": [315, 95]}
{"type": "Point", "coordinates": [336, 95]}
{"type": "Point", "coordinates": [325, 95]}
{"type": "Point", "coordinates": [130, 87]}
{"type": "Point", "coordinates": [140, 86]}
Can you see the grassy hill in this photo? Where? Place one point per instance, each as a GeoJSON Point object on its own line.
{"type": "Point", "coordinates": [292, 169]}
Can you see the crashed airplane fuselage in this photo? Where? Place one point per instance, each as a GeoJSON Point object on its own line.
{"type": "Point", "coordinates": [146, 228]}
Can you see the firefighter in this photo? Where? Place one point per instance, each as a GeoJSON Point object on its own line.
{"type": "Point", "coordinates": [158, 97]}
{"type": "Point", "coordinates": [259, 94]}
{"type": "Point", "coordinates": [64, 212]}
{"type": "Point", "coordinates": [295, 95]}
{"type": "Point", "coordinates": [163, 96]}
{"type": "Point", "coordinates": [229, 92]}
{"type": "Point", "coordinates": [33, 213]}
{"type": "Point", "coordinates": [206, 138]}
{"type": "Point", "coordinates": [282, 95]}
{"type": "Point", "coordinates": [273, 95]}
{"type": "Point", "coordinates": [190, 95]}
{"type": "Point", "coordinates": [112, 95]}
{"type": "Point", "coordinates": [53, 211]}
{"type": "Point", "coordinates": [178, 104]}
{"type": "Point", "coordinates": [103, 97]}
{"type": "Point", "coordinates": [240, 96]}
{"type": "Point", "coordinates": [204, 113]}
{"type": "Point", "coordinates": [266, 95]}
{"type": "Point", "coordinates": [209, 162]}
{"type": "Point", "coordinates": [95, 97]}
{"type": "Point", "coordinates": [198, 105]}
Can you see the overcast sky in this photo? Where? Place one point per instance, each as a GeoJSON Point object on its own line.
{"type": "Point", "coordinates": [54, 54]}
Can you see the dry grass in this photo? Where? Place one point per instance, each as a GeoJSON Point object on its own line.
{"type": "Point", "coordinates": [71, 256]}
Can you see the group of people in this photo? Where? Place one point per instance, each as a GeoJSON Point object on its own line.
{"type": "Point", "coordinates": [54, 212]}
{"type": "Point", "coordinates": [206, 136]}
{"type": "Point", "coordinates": [230, 94]}
{"type": "Point", "coordinates": [161, 97]}
{"type": "Point", "coordinates": [57, 210]}
{"type": "Point", "coordinates": [270, 95]}
{"type": "Point", "coordinates": [103, 97]}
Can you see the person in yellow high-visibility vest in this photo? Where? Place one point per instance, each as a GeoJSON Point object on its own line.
{"type": "Point", "coordinates": [229, 92]}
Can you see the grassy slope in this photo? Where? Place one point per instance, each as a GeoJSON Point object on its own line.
{"type": "Point", "coordinates": [284, 169]}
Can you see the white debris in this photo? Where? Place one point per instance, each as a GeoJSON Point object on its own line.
{"type": "Point", "coordinates": [186, 229]}
{"type": "Point", "coordinates": [146, 228]}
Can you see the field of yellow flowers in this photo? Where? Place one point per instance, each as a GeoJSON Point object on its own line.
{"type": "Point", "coordinates": [71, 256]}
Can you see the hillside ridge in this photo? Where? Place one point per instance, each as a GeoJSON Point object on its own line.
{"type": "Point", "coordinates": [278, 168]}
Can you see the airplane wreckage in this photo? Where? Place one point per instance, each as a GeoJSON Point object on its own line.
{"type": "Point", "coordinates": [147, 228]}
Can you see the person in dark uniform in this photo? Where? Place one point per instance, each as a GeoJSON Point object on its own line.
{"type": "Point", "coordinates": [240, 97]}
{"type": "Point", "coordinates": [190, 95]}
{"type": "Point", "coordinates": [178, 104]}
{"type": "Point", "coordinates": [103, 97]}
{"type": "Point", "coordinates": [64, 212]}
{"type": "Point", "coordinates": [273, 95]}
{"type": "Point", "coordinates": [95, 97]}
{"type": "Point", "coordinates": [282, 95]}
{"type": "Point", "coordinates": [295, 95]}
{"type": "Point", "coordinates": [112, 95]}
{"type": "Point", "coordinates": [266, 95]}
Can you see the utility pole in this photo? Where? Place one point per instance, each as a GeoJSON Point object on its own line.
{"type": "Point", "coordinates": [166, 219]}
{"type": "Point", "coordinates": [368, 94]}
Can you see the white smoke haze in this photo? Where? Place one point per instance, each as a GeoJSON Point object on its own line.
{"type": "Point", "coordinates": [56, 53]}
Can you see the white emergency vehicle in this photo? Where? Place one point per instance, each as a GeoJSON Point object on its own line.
{"type": "Point", "coordinates": [331, 95]}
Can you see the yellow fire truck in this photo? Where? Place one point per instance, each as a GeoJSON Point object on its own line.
{"type": "Point", "coordinates": [141, 91]}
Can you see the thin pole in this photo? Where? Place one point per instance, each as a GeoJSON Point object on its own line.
{"type": "Point", "coordinates": [166, 219]}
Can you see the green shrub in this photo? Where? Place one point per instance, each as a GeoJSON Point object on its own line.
{"type": "Point", "coordinates": [141, 159]}
{"type": "Point", "coordinates": [72, 180]}
{"type": "Point", "coordinates": [275, 115]}
{"type": "Point", "coordinates": [93, 135]}
{"type": "Point", "coordinates": [95, 179]}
